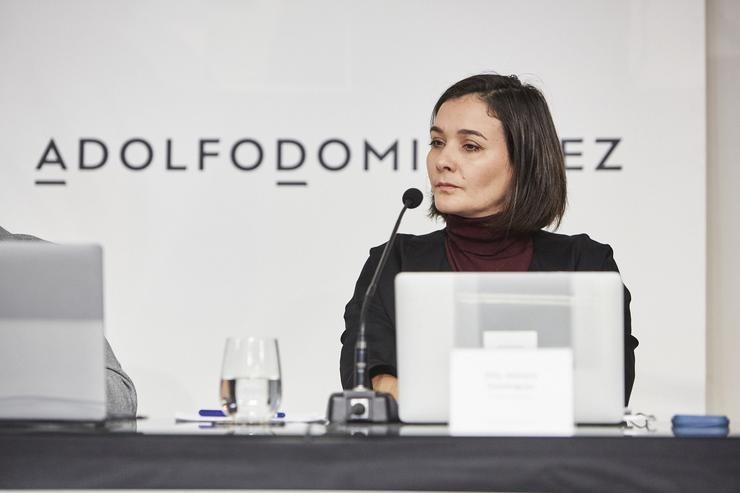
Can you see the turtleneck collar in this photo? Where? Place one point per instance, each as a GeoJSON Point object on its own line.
{"type": "Point", "coordinates": [472, 245]}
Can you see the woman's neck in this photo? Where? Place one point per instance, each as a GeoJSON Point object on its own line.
{"type": "Point", "coordinates": [472, 245]}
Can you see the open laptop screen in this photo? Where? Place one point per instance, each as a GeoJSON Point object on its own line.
{"type": "Point", "coordinates": [436, 312]}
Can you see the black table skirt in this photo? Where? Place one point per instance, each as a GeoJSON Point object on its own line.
{"type": "Point", "coordinates": [587, 464]}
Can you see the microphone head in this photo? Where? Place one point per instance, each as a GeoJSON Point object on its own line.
{"type": "Point", "coordinates": [412, 198]}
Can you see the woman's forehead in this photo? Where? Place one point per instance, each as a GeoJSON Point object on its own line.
{"type": "Point", "coordinates": [468, 112]}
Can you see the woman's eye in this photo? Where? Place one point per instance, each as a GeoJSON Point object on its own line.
{"type": "Point", "coordinates": [471, 147]}
{"type": "Point", "coordinates": [436, 143]}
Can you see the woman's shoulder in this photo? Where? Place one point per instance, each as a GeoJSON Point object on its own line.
{"type": "Point", "coordinates": [577, 252]}
{"type": "Point", "coordinates": [416, 252]}
{"type": "Point", "coordinates": [435, 237]}
{"type": "Point", "coordinates": [405, 240]}
{"type": "Point", "coordinates": [6, 235]}
{"type": "Point", "coordinates": [577, 240]}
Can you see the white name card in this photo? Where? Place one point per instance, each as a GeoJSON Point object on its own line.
{"type": "Point", "coordinates": [511, 391]}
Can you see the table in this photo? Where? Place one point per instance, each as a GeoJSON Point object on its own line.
{"type": "Point", "coordinates": [154, 454]}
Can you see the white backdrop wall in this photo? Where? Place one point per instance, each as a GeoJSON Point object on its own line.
{"type": "Point", "coordinates": [194, 255]}
{"type": "Point", "coordinates": [723, 207]}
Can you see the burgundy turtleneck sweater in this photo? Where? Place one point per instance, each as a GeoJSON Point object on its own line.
{"type": "Point", "coordinates": [471, 246]}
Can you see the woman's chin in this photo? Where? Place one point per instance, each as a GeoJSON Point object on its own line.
{"type": "Point", "coordinates": [448, 209]}
{"type": "Point", "coordinates": [444, 206]}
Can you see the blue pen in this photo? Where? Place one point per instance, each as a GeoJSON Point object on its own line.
{"type": "Point", "coordinates": [217, 413]}
{"type": "Point", "coordinates": [211, 413]}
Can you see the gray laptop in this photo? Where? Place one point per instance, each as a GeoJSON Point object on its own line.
{"type": "Point", "coordinates": [436, 312]}
{"type": "Point", "coordinates": [51, 332]}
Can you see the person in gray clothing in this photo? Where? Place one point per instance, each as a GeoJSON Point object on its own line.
{"type": "Point", "coordinates": [119, 388]}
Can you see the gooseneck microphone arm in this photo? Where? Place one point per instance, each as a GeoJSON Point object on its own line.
{"type": "Point", "coordinates": [411, 200]}
{"type": "Point", "coordinates": [361, 405]}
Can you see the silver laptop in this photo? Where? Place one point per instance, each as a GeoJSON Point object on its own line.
{"type": "Point", "coordinates": [51, 332]}
{"type": "Point", "coordinates": [436, 312]}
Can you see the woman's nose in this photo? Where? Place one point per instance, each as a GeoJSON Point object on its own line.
{"type": "Point", "coordinates": [445, 160]}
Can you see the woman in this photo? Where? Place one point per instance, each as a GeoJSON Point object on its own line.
{"type": "Point", "coordinates": [498, 177]}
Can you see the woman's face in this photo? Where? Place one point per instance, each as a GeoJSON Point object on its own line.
{"type": "Point", "coordinates": [468, 162]}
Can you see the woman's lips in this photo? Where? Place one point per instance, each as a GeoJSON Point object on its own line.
{"type": "Point", "coordinates": [446, 187]}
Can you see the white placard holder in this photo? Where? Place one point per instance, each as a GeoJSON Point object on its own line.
{"type": "Point", "coordinates": [511, 392]}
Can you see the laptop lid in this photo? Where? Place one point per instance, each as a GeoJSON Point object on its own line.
{"type": "Point", "coordinates": [51, 332]}
{"type": "Point", "coordinates": [436, 312]}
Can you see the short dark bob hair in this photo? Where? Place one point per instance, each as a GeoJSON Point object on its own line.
{"type": "Point", "coordinates": [537, 197]}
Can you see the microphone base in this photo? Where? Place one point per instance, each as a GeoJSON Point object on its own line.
{"type": "Point", "coordinates": [361, 405]}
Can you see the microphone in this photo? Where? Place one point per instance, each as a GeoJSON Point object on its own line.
{"type": "Point", "coordinates": [412, 198]}
{"type": "Point", "coordinates": [362, 404]}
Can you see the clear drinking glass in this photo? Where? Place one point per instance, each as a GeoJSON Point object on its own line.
{"type": "Point", "coordinates": [250, 379]}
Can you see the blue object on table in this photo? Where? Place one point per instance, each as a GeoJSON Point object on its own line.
{"type": "Point", "coordinates": [211, 413]}
{"type": "Point", "coordinates": [711, 431]}
{"type": "Point", "coordinates": [217, 413]}
{"type": "Point", "coordinates": [699, 425]}
{"type": "Point", "coordinates": [699, 421]}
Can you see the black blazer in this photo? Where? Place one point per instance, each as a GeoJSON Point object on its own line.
{"type": "Point", "coordinates": [426, 253]}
